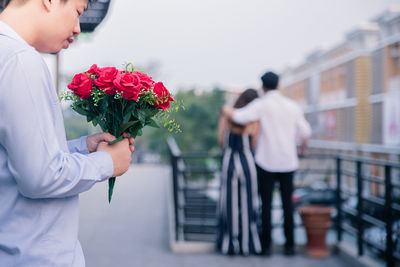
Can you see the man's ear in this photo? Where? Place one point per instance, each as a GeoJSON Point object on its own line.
{"type": "Point", "coordinates": [47, 4]}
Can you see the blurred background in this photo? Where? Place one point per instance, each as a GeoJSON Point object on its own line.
{"type": "Point", "coordinates": [338, 59]}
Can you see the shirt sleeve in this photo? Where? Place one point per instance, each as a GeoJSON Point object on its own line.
{"type": "Point", "coordinates": [302, 126]}
{"type": "Point", "coordinates": [247, 114]}
{"type": "Point", "coordinates": [78, 145]}
{"type": "Point", "coordinates": [38, 158]}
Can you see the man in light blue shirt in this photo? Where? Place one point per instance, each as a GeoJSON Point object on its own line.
{"type": "Point", "coordinates": [41, 174]}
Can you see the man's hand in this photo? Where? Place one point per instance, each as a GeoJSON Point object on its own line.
{"type": "Point", "coordinates": [131, 141]}
{"type": "Point", "coordinates": [303, 148]}
{"type": "Point", "coordinates": [94, 140]}
{"type": "Point", "coordinates": [120, 153]}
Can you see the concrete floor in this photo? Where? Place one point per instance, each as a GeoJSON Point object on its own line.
{"type": "Point", "coordinates": [133, 229]}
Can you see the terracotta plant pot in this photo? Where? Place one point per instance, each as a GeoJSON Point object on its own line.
{"type": "Point", "coordinates": [317, 221]}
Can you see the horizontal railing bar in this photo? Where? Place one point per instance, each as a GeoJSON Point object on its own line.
{"type": "Point", "coordinates": [396, 186]}
{"type": "Point", "coordinates": [349, 229]}
{"type": "Point", "coordinates": [200, 215]}
{"type": "Point", "coordinates": [198, 231]}
{"type": "Point", "coordinates": [188, 171]}
{"type": "Point", "coordinates": [350, 211]}
{"type": "Point", "coordinates": [315, 171]}
{"type": "Point", "coordinates": [373, 244]}
{"type": "Point", "coordinates": [396, 207]}
{"type": "Point", "coordinates": [375, 200]}
{"type": "Point", "coordinates": [348, 193]}
{"type": "Point", "coordinates": [194, 206]}
{"type": "Point", "coordinates": [373, 179]}
{"type": "Point", "coordinates": [373, 220]}
{"type": "Point", "coordinates": [200, 155]}
{"type": "Point", "coordinates": [369, 161]}
{"type": "Point", "coordinates": [280, 224]}
{"type": "Point", "coordinates": [349, 173]}
{"type": "Point", "coordinates": [204, 224]}
{"type": "Point", "coordinates": [204, 188]}
{"type": "Point", "coordinates": [321, 156]}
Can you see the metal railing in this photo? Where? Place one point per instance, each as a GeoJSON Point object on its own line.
{"type": "Point", "coordinates": [368, 182]}
{"type": "Point", "coordinates": [362, 172]}
{"type": "Point", "coordinates": [195, 207]}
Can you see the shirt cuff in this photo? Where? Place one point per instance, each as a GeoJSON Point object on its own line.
{"type": "Point", "coordinates": [78, 145]}
{"type": "Point", "coordinates": [83, 145]}
{"type": "Point", "coordinates": [105, 164]}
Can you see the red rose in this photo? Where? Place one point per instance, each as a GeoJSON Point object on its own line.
{"type": "Point", "coordinates": [145, 80]}
{"type": "Point", "coordinates": [164, 97]}
{"type": "Point", "coordinates": [129, 84]}
{"type": "Point", "coordinates": [105, 80]}
{"type": "Point", "coordinates": [93, 70]}
{"type": "Point", "coordinates": [81, 85]}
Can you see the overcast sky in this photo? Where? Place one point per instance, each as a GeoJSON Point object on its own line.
{"type": "Point", "coordinates": [207, 43]}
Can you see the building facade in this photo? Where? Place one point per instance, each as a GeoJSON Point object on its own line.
{"type": "Point", "coordinates": [351, 93]}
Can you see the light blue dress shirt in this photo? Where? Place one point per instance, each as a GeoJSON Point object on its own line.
{"type": "Point", "coordinates": [41, 174]}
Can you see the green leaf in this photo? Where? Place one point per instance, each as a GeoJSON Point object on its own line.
{"type": "Point", "coordinates": [127, 116]}
{"type": "Point", "coordinates": [90, 117]}
{"type": "Point", "coordinates": [152, 123]}
{"type": "Point", "coordinates": [141, 116]}
{"type": "Point", "coordinates": [135, 131]}
{"type": "Point", "coordinates": [103, 125]}
{"type": "Point", "coordinates": [131, 107]}
{"type": "Point", "coordinates": [127, 125]}
{"type": "Point", "coordinates": [80, 110]}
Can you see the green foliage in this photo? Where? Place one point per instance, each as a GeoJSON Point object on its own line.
{"type": "Point", "coordinates": [198, 122]}
{"type": "Point", "coordinates": [75, 125]}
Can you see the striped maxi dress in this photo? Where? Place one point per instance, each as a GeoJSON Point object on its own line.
{"type": "Point", "coordinates": [238, 205]}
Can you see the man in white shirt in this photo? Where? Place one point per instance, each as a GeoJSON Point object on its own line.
{"type": "Point", "coordinates": [281, 123]}
{"type": "Point", "coordinates": [41, 174]}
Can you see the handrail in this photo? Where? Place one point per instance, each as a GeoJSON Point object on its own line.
{"type": "Point", "coordinates": [347, 146]}
{"type": "Point", "coordinates": [362, 217]}
{"type": "Point", "coordinates": [343, 167]}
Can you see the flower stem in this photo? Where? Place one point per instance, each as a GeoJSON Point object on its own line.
{"type": "Point", "coordinates": [111, 183]}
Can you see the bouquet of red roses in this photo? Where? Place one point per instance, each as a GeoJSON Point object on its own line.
{"type": "Point", "coordinates": [120, 101]}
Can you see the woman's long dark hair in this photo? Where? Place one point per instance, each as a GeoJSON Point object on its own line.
{"type": "Point", "coordinates": [245, 98]}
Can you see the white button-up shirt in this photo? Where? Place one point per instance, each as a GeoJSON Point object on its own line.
{"type": "Point", "coordinates": [281, 122]}
{"type": "Point", "coordinates": [41, 174]}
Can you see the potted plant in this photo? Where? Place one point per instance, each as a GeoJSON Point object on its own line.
{"type": "Point", "coordinates": [316, 210]}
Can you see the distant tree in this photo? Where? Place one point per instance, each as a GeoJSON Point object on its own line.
{"type": "Point", "coordinates": [198, 120]}
{"type": "Point", "coordinates": [75, 125]}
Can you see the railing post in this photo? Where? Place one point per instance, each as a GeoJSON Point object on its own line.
{"type": "Point", "coordinates": [174, 164]}
{"type": "Point", "coordinates": [339, 199]}
{"type": "Point", "coordinates": [388, 216]}
{"type": "Point", "coordinates": [360, 223]}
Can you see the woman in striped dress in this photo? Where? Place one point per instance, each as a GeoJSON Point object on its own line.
{"type": "Point", "coordinates": [238, 203]}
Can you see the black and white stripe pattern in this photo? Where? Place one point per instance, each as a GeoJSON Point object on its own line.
{"type": "Point", "coordinates": [238, 200]}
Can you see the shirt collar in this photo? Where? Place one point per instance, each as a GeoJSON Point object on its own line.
{"type": "Point", "coordinates": [6, 30]}
{"type": "Point", "coordinates": [270, 93]}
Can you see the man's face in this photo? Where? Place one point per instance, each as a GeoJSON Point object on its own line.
{"type": "Point", "coordinates": [61, 25]}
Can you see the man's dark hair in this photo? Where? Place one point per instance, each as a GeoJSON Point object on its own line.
{"type": "Point", "coordinates": [270, 81]}
{"type": "Point", "coordinates": [4, 3]}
